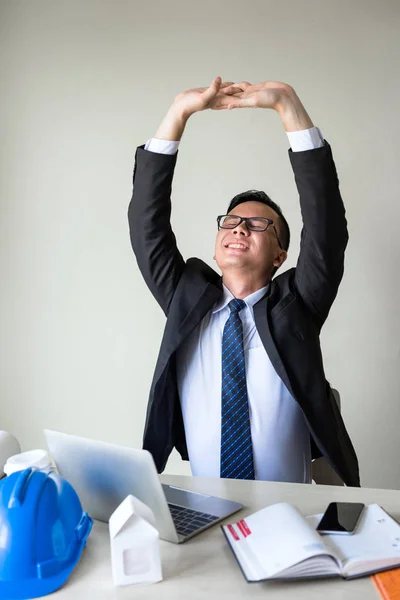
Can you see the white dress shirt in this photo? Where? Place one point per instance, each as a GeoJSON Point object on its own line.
{"type": "Point", "coordinates": [280, 436]}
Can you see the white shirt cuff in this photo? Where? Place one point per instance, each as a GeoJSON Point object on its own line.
{"type": "Point", "coordinates": [307, 139]}
{"type": "Point", "coordinates": [161, 146]}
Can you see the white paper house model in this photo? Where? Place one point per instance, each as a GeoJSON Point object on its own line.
{"type": "Point", "coordinates": [135, 546]}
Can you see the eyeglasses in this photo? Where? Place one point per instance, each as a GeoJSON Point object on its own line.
{"type": "Point", "coordinates": [252, 224]}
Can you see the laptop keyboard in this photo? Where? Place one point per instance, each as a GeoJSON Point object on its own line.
{"type": "Point", "coordinates": [187, 520]}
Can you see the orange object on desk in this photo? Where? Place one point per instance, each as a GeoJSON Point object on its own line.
{"type": "Point", "coordinates": [388, 584]}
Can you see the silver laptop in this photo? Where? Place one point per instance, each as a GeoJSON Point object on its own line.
{"type": "Point", "coordinates": [103, 475]}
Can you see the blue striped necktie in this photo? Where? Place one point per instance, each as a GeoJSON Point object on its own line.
{"type": "Point", "coordinates": [236, 448]}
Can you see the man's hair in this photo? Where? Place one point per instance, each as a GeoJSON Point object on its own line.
{"type": "Point", "coordinates": [259, 196]}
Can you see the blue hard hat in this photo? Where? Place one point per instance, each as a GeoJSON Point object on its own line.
{"type": "Point", "coordinates": [43, 531]}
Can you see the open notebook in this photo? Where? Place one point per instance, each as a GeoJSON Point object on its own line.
{"type": "Point", "coordinates": [277, 542]}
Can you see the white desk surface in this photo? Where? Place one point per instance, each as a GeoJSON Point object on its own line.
{"type": "Point", "coordinates": [204, 567]}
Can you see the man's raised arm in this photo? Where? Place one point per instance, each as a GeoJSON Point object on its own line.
{"type": "Point", "coordinates": [324, 235]}
{"type": "Point", "coordinates": [152, 238]}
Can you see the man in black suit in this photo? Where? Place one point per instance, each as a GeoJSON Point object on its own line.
{"type": "Point", "coordinates": [239, 386]}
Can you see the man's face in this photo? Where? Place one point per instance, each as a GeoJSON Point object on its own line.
{"type": "Point", "coordinates": [257, 251]}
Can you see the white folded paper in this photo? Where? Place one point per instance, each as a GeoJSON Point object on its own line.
{"type": "Point", "coordinates": [135, 546]}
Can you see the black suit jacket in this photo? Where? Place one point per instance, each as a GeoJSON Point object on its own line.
{"type": "Point", "coordinates": [288, 318]}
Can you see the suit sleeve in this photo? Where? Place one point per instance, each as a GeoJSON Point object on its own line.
{"type": "Point", "coordinates": [149, 214]}
{"type": "Point", "coordinates": [324, 235]}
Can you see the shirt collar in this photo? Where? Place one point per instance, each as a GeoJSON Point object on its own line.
{"type": "Point", "coordinates": [228, 296]}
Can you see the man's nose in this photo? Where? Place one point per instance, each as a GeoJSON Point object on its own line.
{"type": "Point", "coordinates": [241, 229]}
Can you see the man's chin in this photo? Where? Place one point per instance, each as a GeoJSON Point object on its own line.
{"type": "Point", "coordinates": [229, 262]}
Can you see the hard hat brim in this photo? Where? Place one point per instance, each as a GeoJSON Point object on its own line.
{"type": "Point", "coordinates": [35, 588]}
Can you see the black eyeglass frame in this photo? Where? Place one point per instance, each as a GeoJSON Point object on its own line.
{"type": "Point", "coordinates": [246, 220]}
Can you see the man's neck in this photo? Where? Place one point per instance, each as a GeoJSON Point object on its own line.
{"type": "Point", "coordinates": [242, 287]}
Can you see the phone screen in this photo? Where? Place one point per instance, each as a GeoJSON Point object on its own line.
{"type": "Point", "coordinates": [340, 517]}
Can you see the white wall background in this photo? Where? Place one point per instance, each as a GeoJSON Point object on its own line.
{"type": "Point", "coordinates": [81, 85]}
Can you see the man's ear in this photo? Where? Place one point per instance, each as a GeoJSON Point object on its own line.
{"type": "Point", "coordinates": [280, 259]}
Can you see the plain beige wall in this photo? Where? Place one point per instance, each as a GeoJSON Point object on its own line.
{"type": "Point", "coordinates": [84, 83]}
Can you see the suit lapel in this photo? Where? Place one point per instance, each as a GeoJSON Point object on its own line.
{"type": "Point", "coordinates": [176, 333]}
{"type": "Point", "coordinates": [261, 319]}
{"type": "Point", "coordinates": [206, 301]}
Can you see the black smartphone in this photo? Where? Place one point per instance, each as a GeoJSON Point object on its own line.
{"type": "Point", "coordinates": [341, 518]}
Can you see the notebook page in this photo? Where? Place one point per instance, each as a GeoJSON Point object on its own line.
{"type": "Point", "coordinates": [277, 537]}
{"type": "Point", "coordinates": [376, 541]}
